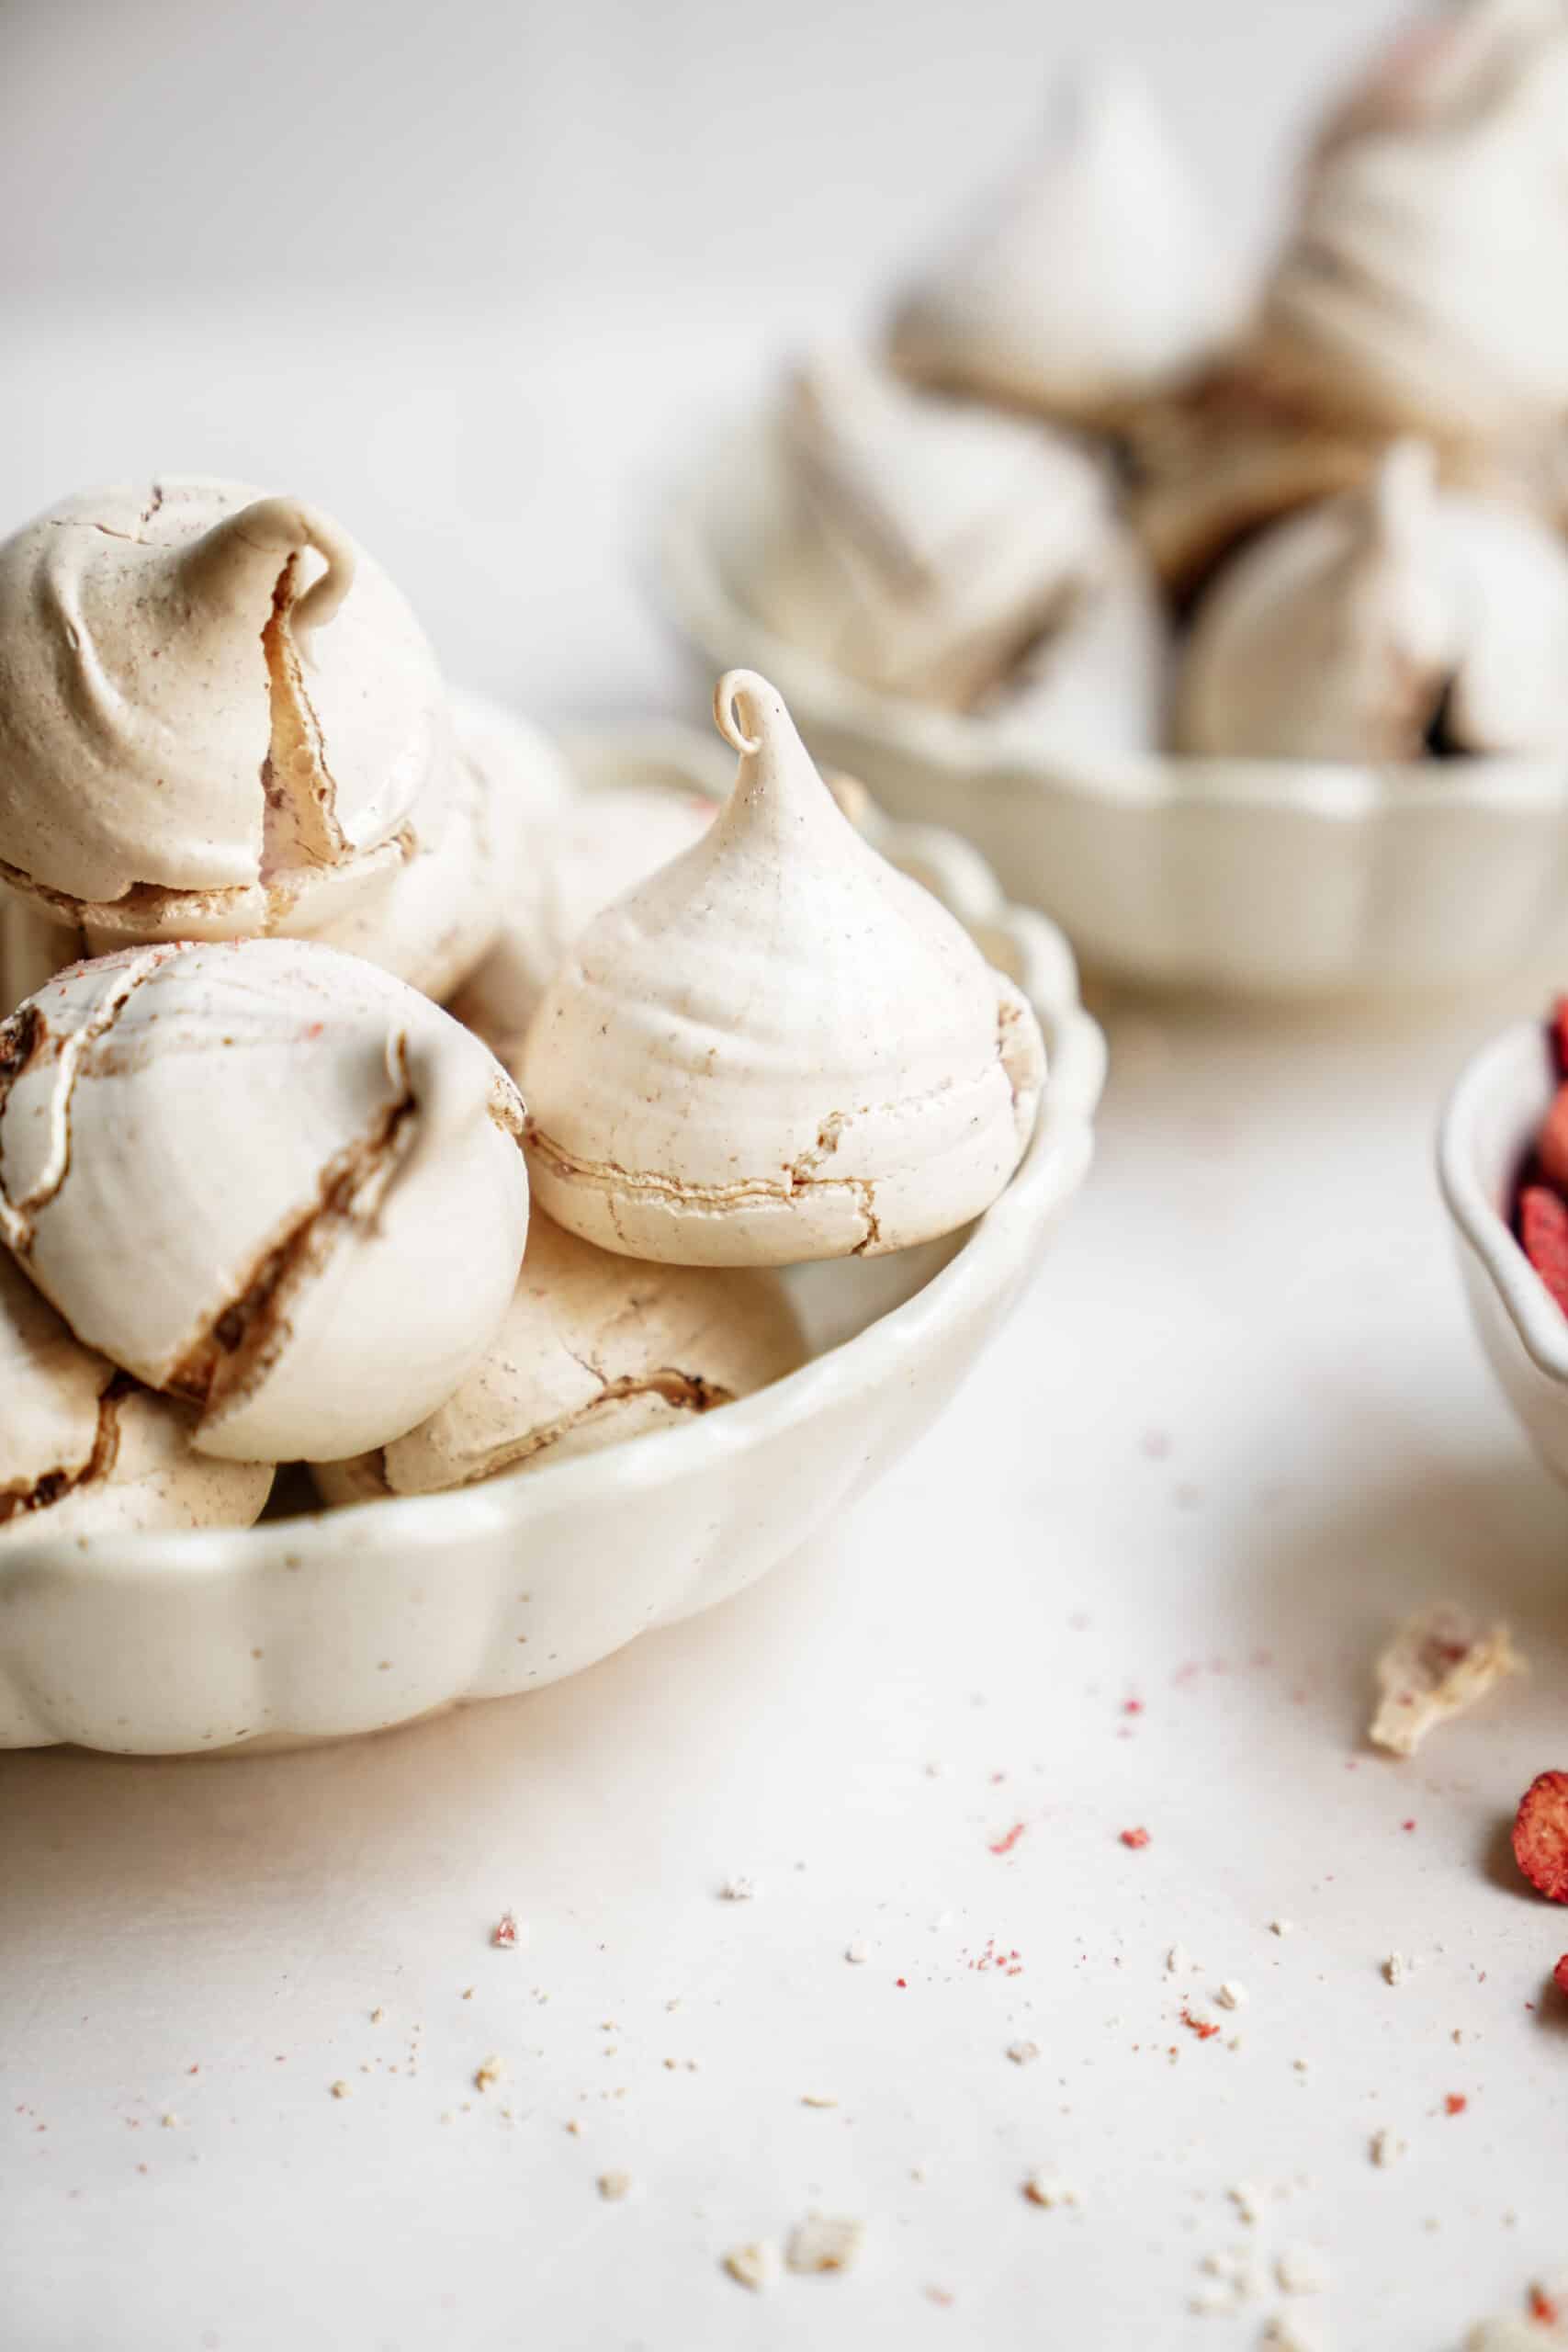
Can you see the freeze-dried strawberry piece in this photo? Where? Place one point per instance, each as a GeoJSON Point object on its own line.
{"type": "Point", "coordinates": [1559, 1975]}
{"type": "Point", "coordinates": [1552, 1144]}
{"type": "Point", "coordinates": [1560, 1035]}
{"type": "Point", "coordinates": [1544, 1230]}
{"type": "Point", "coordinates": [1540, 1835]}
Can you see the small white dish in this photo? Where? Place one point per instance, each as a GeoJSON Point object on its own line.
{"type": "Point", "coordinates": [1264, 876]}
{"type": "Point", "coordinates": [332, 1623]}
{"type": "Point", "coordinates": [1488, 1127]}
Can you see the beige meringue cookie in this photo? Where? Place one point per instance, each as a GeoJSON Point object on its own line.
{"type": "Point", "coordinates": [777, 1047]}
{"type": "Point", "coordinates": [1415, 76]}
{"type": "Point", "coordinates": [594, 1349]}
{"type": "Point", "coordinates": [435, 918]}
{"type": "Point", "coordinates": [1396, 619]}
{"type": "Point", "coordinates": [83, 1449]}
{"type": "Point", "coordinates": [213, 708]}
{"type": "Point", "coordinates": [576, 866]}
{"type": "Point", "coordinates": [930, 545]}
{"type": "Point", "coordinates": [1092, 279]}
{"type": "Point", "coordinates": [1421, 289]}
{"type": "Point", "coordinates": [266, 1178]}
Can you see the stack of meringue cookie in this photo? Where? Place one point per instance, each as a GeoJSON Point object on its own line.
{"type": "Point", "coordinates": [262, 1199]}
{"type": "Point", "coordinates": [1098, 491]}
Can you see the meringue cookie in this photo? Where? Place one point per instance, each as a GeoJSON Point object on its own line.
{"type": "Point", "coordinates": [778, 1048]}
{"type": "Point", "coordinates": [594, 1349]}
{"type": "Point", "coordinates": [1396, 619]}
{"type": "Point", "coordinates": [265, 1178]}
{"type": "Point", "coordinates": [929, 546]}
{"type": "Point", "coordinates": [1421, 290]}
{"type": "Point", "coordinates": [1094, 279]}
{"type": "Point", "coordinates": [82, 1448]}
{"type": "Point", "coordinates": [577, 865]}
{"type": "Point", "coordinates": [1414, 78]}
{"type": "Point", "coordinates": [213, 708]}
{"type": "Point", "coordinates": [1100, 683]}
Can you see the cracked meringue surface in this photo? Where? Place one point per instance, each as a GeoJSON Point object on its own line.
{"type": "Point", "coordinates": [217, 714]}
{"type": "Point", "coordinates": [265, 1178]}
{"type": "Point", "coordinates": [1092, 278]}
{"type": "Point", "coordinates": [83, 1449]}
{"type": "Point", "coordinates": [594, 1349]}
{"type": "Point", "coordinates": [1400, 619]}
{"type": "Point", "coordinates": [777, 1047]}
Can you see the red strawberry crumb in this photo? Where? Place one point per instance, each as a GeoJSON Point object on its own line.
{"type": "Point", "coordinates": [1407, 1824]}
{"type": "Point", "coordinates": [1540, 1835]}
{"type": "Point", "coordinates": [1559, 1975]}
{"type": "Point", "coordinates": [1544, 2308]}
{"type": "Point", "coordinates": [1455, 2103]}
{"type": "Point", "coordinates": [1005, 1845]}
{"type": "Point", "coordinates": [1543, 1231]}
{"type": "Point", "coordinates": [1136, 1839]}
{"type": "Point", "coordinates": [1132, 1706]}
{"type": "Point", "coordinates": [902, 1983]}
{"type": "Point", "coordinates": [505, 1933]}
{"type": "Point", "coordinates": [1204, 2028]}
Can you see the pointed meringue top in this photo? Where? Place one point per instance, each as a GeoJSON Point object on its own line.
{"type": "Point", "coordinates": [203, 689]}
{"type": "Point", "coordinates": [778, 1046]}
{"type": "Point", "coordinates": [1090, 279]}
{"type": "Point", "coordinates": [1398, 619]}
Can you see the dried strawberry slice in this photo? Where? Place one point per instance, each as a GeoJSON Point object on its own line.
{"type": "Point", "coordinates": [1540, 1835]}
{"type": "Point", "coordinates": [1552, 1144]}
{"type": "Point", "coordinates": [1544, 1230]}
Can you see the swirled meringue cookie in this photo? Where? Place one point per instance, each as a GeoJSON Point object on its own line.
{"type": "Point", "coordinates": [595, 1349]}
{"type": "Point", "coordinates": [1421, 290]}
{"type": "Point", "coordinates": [1397, 620]}
{"type": "Point", "coordinates": [217, 714]}
{"type": "Point", "coordinates": [84, 1449]}
{"type": "Point", "coordinates": [928, 547]}
{"type": "Point", "coordinates": [1091, 280]}
{"type": "Point", "coordinates": [778, 1048]}
{"type": "Point", "coordinates": [1412, 81]}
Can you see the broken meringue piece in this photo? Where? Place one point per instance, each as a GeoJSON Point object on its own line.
{"type": "Point", "coordinates": [777, 1047]}
{"type": "Point", "coordinates": [268, 1179]}
{"type": "Point", "coordinates": [577, 864]}
{"type": "Point", "coordinates": [213, 708]}
{"type": "Point", "coordinates": [927, 546]}
{"type": "Point", "coordinates": [1441, 1663]}
{"type": "Point", "coordinates": [1420, 289]}
{"type": "Point", "coordinates": [82, 1448]}
{"type": "Point", "coordinates": [595, 1349]}
{"type": "Point", "coordinates": [1092, 279]}
{"type": "Point", "coordinates": [1396, 619]}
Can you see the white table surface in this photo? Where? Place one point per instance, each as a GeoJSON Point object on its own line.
{"type": "Point", "coordinates": [1238, 1428]}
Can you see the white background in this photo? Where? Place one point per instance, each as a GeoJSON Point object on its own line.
{"type": "Point", "coordinates": [475, 278]}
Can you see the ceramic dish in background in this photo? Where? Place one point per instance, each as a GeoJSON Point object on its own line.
{"type": "Point", "coordinates": [338, 1623]}
{"type": "Point", "coordinates": [1491, 1119]}
{"type": "Point", "coordinates": [1265, 876]}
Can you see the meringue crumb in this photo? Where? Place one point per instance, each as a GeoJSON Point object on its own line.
{"type": "Point", "coordinates": [1395, 1968]}
{"type": "Point", "coordinates": [339, 2090]}
{"type": "Point", "coordinates": [468, 1992]}
{"type": "Point", "coordinates": [1298, 2271]}
{"type": "Point", "coordinates": [1246, 2200]}
{"type": "Point", "coordinates": [1023, 2053]}
{"type": "Point", "coordinates": [1230, 1996]}
{"type": "Point", "coordinates": [1174, 1961]}
{"type": "Point", "coordinates": [818, 2098]}
{"type": "Point", "coordinates": [1386, 2148]}
{"type": "Point", "coordinates": [822, 2242]}
{"type": "Point", "coordinates": [1044, 2188]}
{"type": "Point", "coordinates": [378, 2017]}
{"type": "Point", "coordinates": [752, 2266]}
{"type": "Point", "coordinates": [739, 1889]}
{"type": "Point", "coordinates": [169, 2122]}
{"type": "Point", "coordinates": [1300, 2064]}
{"type": "Point", "coordinates": [575, 2128]}
{"type": "Point", "coordinates": [489, 2071]}
{"type": "Point", "coordinates": [1439, 1663]}
{"type": "Point", "coordinates": [856, 1952]}
{"type": "Point", "coordinates": [614, 2185]}
{"type": "Point", "coordinates": [1282, 2334]}
{"type": "Point", "coordinates": [1281, 1926]}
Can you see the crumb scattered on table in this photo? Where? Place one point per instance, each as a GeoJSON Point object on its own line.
{"type": "Point", "coordinates": [739, 1889]}
{"type": "Point", "coordinates": [824, 2242]}
{"type": "Point", "coordinates": [1439, 1663]}
{"type": "Point", "coordinates": [488, 2071]}
{"type": "Point", "coordinates": [1023, 2053]}
{"type": "Point", "coordinates": [1046, 2189]}
{"type": "Point", "coordinates": [614, 2185]}
{"type": "Point", "coordinates": [341, 2090]}
{"type": "Point", "coordinates": [752, 2266]}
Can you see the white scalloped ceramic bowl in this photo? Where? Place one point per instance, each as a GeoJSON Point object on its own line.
{"type": "Point", "coordinates": [1492, 1119]}
{"type": "Point", "coordinates": [338, 1623]}
{"type": "Point", "coordinates": [1264, 876]}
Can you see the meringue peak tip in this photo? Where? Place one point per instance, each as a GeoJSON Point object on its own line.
{"type": "Point", "coordinates": [747, 711]}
